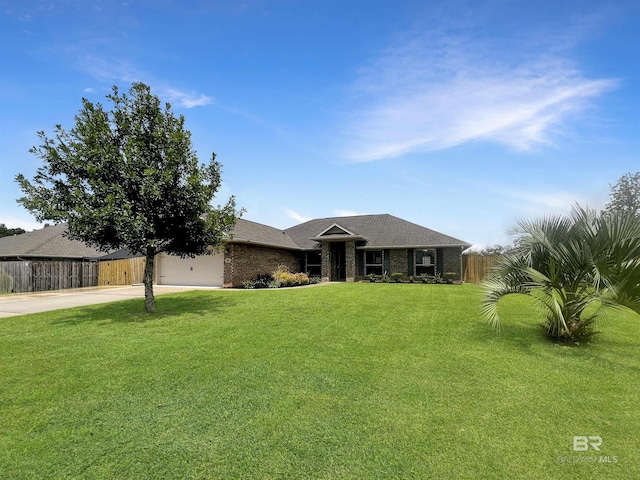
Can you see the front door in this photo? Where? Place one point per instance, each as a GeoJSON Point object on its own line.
{"type": "Point", "coordinates": [338, 257]}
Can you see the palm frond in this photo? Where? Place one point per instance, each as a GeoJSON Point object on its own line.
{"type": "Point", "coordinates": [570, 265]}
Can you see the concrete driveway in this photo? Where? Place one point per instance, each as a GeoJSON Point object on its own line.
{"type": "Point", "coordinates": [24, 303]}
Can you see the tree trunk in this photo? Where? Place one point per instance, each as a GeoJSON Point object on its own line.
{"type": "Point", "coordinates": [149, 300]}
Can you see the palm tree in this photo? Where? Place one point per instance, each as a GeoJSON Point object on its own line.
{"type": "Point", "coordinates": [573, 266]}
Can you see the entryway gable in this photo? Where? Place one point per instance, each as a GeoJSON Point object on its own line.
{"type": "Point", "coordinates": [337, 233]}
{"type": "Point", "coordinates": [335, 229]}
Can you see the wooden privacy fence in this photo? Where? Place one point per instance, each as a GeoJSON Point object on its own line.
{"type": "Point", "coordinates": [121, 272]}
{"type": "Point", "coordinates": [41, 275]}
{"type": "Point", "coordinates": [477, 267]}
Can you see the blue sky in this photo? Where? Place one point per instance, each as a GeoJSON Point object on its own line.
{"type": "Point", "coordinates": [461, 116]}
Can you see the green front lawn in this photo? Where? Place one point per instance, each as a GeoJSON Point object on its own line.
{"type": "Point", "coordinates": [338, 381]}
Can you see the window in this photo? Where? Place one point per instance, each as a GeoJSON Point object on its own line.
{"type": "Point", "coordinates": [373, 262]}
{"type": "Point", "coordinates": [424, 257]}
{"type": "Point", "coordinates": [425, 262]}
{"type": "Point", "coordinates": [313, 262]}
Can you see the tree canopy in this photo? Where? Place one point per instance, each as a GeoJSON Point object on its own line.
{"type": "Point", "coordinates": [5, 232]}
{"type": "Point", "coordinates": [573, 266]}
{"type": "Point", "coordinates": [496, 249]}
{"type": "Point", "coordinates": [129, 178]}
{"type": "Point", "coordinates": [625, 195]}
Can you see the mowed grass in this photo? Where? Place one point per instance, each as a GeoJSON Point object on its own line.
{"type": "Point", "coordinates": [335, 381]}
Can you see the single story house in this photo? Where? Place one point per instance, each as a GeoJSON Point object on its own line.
{"type": "Point", "coordinates": [335, 249]}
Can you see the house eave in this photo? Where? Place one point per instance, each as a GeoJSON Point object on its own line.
{"type": "Point", "coordinates": [261, 244]}
{"type": "Point", "coordinates": [338, 238]}
{"type": "Point", "coordinates": [391, 247]}
{"type": "Point", "coordinates": [31, 257]}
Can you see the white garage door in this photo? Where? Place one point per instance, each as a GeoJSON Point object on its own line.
{"type": "Point", "coordinates": [204, 270]}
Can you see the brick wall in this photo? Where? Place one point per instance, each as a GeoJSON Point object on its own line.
{"type": "Point", "coordinates": [243, 262]}
{"type": "Point", "coordinates": [326, 262]}
{"type": "Point", "coordinates": [451, 261]}
{"type": "Point", "coordinates": [360, 264]}
{"type": "Point", "coordinates": [350, 261]}
{"type": "Point", "coordinates": [398, 262]}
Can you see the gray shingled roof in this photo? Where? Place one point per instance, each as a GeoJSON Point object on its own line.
{"type": "Point", "coordinates": [51, 242]}
{"type": "Point", "coordinates": [258, 234]}
{"type": "Point", "coordinates": [121, 254]}
{"type": "Point", "coordinates": [380, 231]}
{"type": "Point", "coordinates": [48, 242]}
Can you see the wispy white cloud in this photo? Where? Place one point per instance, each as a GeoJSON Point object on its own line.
{"type": "Point", "coordinates": [123, 71]}
{"type": "Point", "coordinates": [296, 216]}
{"type": "Point", "coordinates": [346, 213]}
{"type": "Point", "coordinates": [105, 70]}
{"type": "Point", "coordinates": [560, 202]}
{"type": "Point", "coordinates": [186, 99]}
{"type": "Point", "coordinates": [431, 92]}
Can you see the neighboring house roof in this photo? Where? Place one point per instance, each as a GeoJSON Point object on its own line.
{"type": "Point", "coordinates": [259, 234]}
{"type": "Point", "coordinates": [121, 254]}
{"type": "Point", "coordinates": [379, 231]}
{"type": "Point", "coordinates": [47, 242]}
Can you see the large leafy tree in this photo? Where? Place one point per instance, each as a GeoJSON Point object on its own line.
{"type": "Point", "coordinates": [129, 178]}
{"type": "Point", "coordinates": [574, 266]}
{"type": "Point", "coordinates": [625, 195]}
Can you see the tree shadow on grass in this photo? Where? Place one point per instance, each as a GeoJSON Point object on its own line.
{"type": "Point", "coordinates": [524, 335]}
{"type": "Point", "coordinates": [528, 336]}
{"type": "Point", "coordinates": [189, 306]}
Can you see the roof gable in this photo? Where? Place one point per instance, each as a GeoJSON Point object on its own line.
{"type": "Point", "coordinates": [336, 233]}
{"type": "Point", "coordinates": [334, 229]}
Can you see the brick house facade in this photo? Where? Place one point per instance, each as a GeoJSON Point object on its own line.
{"type": "Point", "coordinates": [336, 249]}
{"type": "Point", "coordinates": [243, 262]}
{"type": "Point", "coordinates": [341, 249]}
